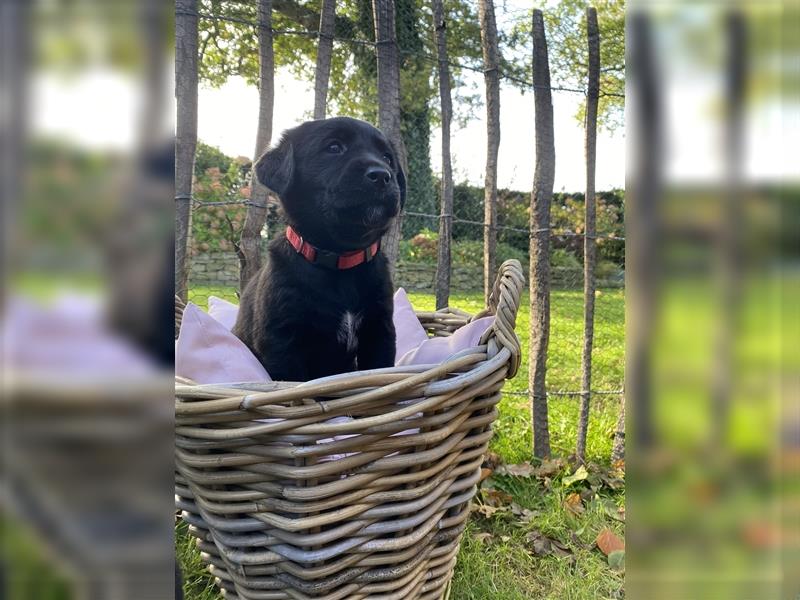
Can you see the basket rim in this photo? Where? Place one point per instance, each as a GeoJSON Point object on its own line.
{"type": "Point", "coordinates": [503, 304]}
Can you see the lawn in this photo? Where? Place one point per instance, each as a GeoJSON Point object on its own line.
{"type": "Point", "coordinates": [498, 559]}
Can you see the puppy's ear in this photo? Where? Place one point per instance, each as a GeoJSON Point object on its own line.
{"type": "Point", "coordinates": [275, 168]}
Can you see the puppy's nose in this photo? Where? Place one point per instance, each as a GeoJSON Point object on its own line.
{"type": "Point", "coordinates": [378, 175]}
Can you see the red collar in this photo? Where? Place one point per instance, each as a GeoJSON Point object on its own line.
{"type": "Point", "coordinates": [348, 260]}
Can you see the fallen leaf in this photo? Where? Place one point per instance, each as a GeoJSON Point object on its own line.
{"type": "Point", "coordinates": [560, 549]}
{"type": "Point", "coordinates": [616, 560]}
{"type": "Point", "coordinates": [549, 467]}
{"type": "Point", "coordinates": [525, 514]}
{"type": "Point", "coordinates": [609, 542]}
{"type": "Point", "coordinates": [519, 470]}
{"type": "Point", "coordinates": [539, 543]}
{"type": "Point", "coordinates": [483, 537]}
{"type": "Point", "coordinates": [574, 504]}
{"type": "Point", "coordinates": [544, 546]}
{"type": "Point", "coordinates": [485, 474]}
{"type": "Point", "coordinates": [611, 510]}
{"type": "Point", "coordinates": [761, 534]}
{"type": "Point", "coordinates": [579, 475]}
{"type": "Point", "coordinates": [491, 460]}
{"type": "Point", "coordinates": [613, 483]}
{"type": "Point", "coordinates": [496, 497]}
{"type": "Point", "coordinates": [484, 509]}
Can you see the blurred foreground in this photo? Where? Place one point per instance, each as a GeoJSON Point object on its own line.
{"type": "Point", "coordinates": [86, 502]}
{"type": "Point", "coordinates": [713, 289]}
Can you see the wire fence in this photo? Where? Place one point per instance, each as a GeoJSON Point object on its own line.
{"type": "Point", "coordinates": [221, 194]}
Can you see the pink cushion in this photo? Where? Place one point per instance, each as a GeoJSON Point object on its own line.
{"type": "Point", "coordinates": [223, 311]}
{"type": "Point", "coordinates": [408, 330]}
{"type": "Point", "coordinates": [437, 349]}
{"type": "Point", "coordinates": [66, 339]}
{"type": "Point", "coordinates": [206, 352]}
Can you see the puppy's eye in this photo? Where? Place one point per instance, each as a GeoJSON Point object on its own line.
{"type": "Point", "coordinates": [335, 148]}
{"type": "Point", "coordinates": [388, 158]}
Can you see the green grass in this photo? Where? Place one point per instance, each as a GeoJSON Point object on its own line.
{"type": "Point", "coordinates": [504, 568]}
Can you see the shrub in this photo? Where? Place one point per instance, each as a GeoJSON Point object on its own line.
{"type": "Point", "coordinates": [565, 259]}
{"type": "Point", "coordinates": [423, 248]}
{"type": "Point", "coordinates": [217, 178]}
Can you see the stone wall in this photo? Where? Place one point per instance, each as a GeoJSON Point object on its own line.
{"type": "Point", "coordinates": [216, 269]}
{"type": "Point", "coordinates": [221, 269]}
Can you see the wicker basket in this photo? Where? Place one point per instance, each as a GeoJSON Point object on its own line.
{"type": "Point", "coordinates": [353, 486]}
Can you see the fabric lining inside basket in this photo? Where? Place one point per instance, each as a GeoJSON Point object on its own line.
{"type": "Point", "coordinates": [206, 351]}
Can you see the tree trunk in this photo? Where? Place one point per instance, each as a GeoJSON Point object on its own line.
{"type": "Point", "coordinates": [492, 78]}
{"type": "Point", "coordinates": [324, 52]}
{"type": "Point", "coordinates": [250, 244]}
{"type": "Point", "coordinates": [541, 197]}
{"type": "Point", "coordinates": [443, 264]}
{"type": "Point", "coordinates": [589, 241]}
{"type": "Point", "coordinates": [389, 105]}
{"type": "Point", "coordinates": [186, 64]}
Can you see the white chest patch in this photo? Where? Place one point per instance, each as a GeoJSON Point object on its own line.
{"type": "Point", "coordinates": [348, 328]}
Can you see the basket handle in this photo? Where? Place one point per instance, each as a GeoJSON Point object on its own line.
{"type": "Point", "coordinates": [503, 304]}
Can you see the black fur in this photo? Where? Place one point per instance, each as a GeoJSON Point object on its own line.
{"type": "Point", "coordinates": [292, 311]}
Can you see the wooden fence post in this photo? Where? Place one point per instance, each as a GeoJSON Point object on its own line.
{"type": "Point", "coordinates": [322, 75]}
{"type": "Point", "coordinates": [250, 241]}
{"type": "Point", "coordinates": [186, 67]}
{"type": "Point", "coordinates": [589, 238]}
{"type": "Point", "coordinates": [541, 197]}
{"type": "Point", "coordinates": [389, 105]}
{"type": "Point", "coordinates": [492, 78]}
{"type": "Point", "coordinates": [443, 263]}
{"type": "Point", "coordinates": [618, 450]}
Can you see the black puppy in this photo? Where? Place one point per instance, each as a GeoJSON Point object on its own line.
{"type": "Point", "coordinates": [322, 304]}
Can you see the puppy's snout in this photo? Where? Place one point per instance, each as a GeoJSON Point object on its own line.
{"type": "Point", "coordinates": [379, 176]}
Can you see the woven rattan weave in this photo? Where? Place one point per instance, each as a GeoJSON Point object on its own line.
{"type": "Point", "coordinates": [351, 487]}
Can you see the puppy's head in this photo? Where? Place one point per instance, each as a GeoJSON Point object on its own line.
{"type": "Point", "coordinates": [338, 179]}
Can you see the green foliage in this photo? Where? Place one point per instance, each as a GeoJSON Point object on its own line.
{"type": "Point", "coordinates": [229, 49]}
{"type": "Point", "coordinates": [565, 25]}
{"type": "Point", "coordinates": [420, 193]}
{"type": "Point", "coordinates": [207, 157]}
{"type": "Point", "coordinates": [218, 178]}
{"type": "Point", "coordinates": [70, 201]}
{"type": "Point", "coordinates": [567, 215]}
{"type": "Point", "coordinates": [423, 248]}
{"type": "Point", "coordinates": [562, 258]}
{"type": "Point", "coordinates": [569, 61]}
